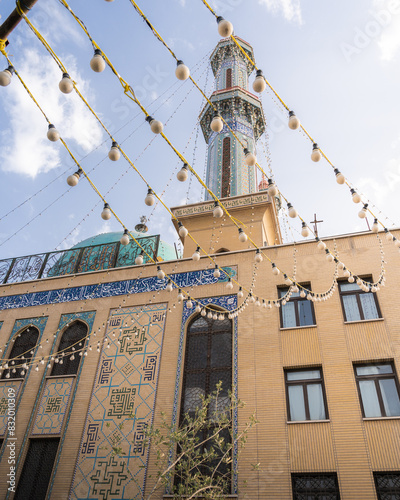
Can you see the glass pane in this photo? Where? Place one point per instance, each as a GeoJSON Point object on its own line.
{"type": "Point", "coordinates": [303, 375]}
{"type": "Point", "coordinates": [369, 398]}
{"type": "Point", "coordinates": [197, 351]}
{"type": "Point", "coordinates": [194, 391]}
{"type": "Point", "coordinates": [288, 315]}
{"type": "Point", "coordinates": [349, 287]}
{"type": "Point", "coordinates": [368, 305]}
{"type": "Point", "coordinates": [296, 402]}
{"type": "Point", "coordinates": [390, 397]}
{"type": "Point", "coordinates": [351, 308]}
{"type": "Point", "coordinates": [221, 350]}
{"type": "Point", "coordinates": [283, 291]}
{"type": "Point", "coordinates": [316, 402]}
{"type": "Point", "coordinates": [373, 369]}
{"type": "Point", "coordinates": [305, 313]}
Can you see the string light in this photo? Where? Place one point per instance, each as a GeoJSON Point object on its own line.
{"type": "Point", "coordinates": [182, 72]}
{"type": "Point", "coordinates": [155, 125]}
{"type": "Point", "coordinates": [6, 76]}
{"type": "Point", "coordinates": [66, 85]}
{"type": "Point", "coordinates": [73, 179]}
{"type": "Point", "coordinates": [355, 196]}
{"type": "Point", "coordinates": [259, 84]}
{"type": "Point", "coordinates": [97, 62]}
{"type": "Point", "coordinates": [106, 213]}
{"type": "Point", "coordinates": [52, 133]}
{"type": "Point", "coordinates": [316, 153]}
{"type": "Point", "coordinates": [216, 124]}
{"type": "Point", "coordinates": [182, 175]}
{"type": "Point", "coordinates": [225, 28]}
{"type": "Point", "coordinates": [294, 122]}
{"type": "Point", "coordinates": [149, 200]}
{"type": "Point", "coordinates": [125, 238]}
{"type": "Point", "coordinates": [340, 178]}
{"type": "Point", "coordinates": [114, 153]}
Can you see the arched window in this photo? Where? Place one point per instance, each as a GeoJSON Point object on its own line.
{"type": "Point", "coordinates": [72, 340]}
{"type": "Point", "coordinates": [21, 352]}
{"type": "Point", "coordinates": [226, 168]}
{"type": "Point", "coordinates": [228, 78]}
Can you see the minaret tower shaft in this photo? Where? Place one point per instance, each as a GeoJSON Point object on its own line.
{"type": "Point", "coordinates": [227, 173]}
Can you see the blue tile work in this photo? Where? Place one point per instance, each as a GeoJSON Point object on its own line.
{"type": "Point", "coordinates": [101, 290]}
{"type": "Point", "coordinates": [52, 408]}
{"type": "Point", "coordinates": [121, 406]}
{"type": "Point", "coordinates": [228, 303]}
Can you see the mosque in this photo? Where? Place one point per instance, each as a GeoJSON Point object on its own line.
{"type": "Point", "coordinates": [97, 334]}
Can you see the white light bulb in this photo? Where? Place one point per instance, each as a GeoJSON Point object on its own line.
{"type": "Point", "coordinates": [225, 28]}
{"type": "Point", "coordinates": [240, 293]}
{"type": "Point", "coordinates": [389, 236]}
{"type": "Point", "coordinates": [182, 175]}
{"type": "Point", "coordinates": [346, 273]}
{"type": "Point", "coordinates": [73, 179]}
{"type": "Point", "coordinates": [329, 257]}
{"type": "Point", "coordinates": [169, 287]}
{"type": "Point", "coordinates": [217, 212]}
{"type": "Point", "coordinates": [180, 296]}
{"type": "Point", "coordinates": [189, 304]}
{"type": "Point", "coordinates": [66, 85]}
{"type": "Point", "coordinates": [183, 232]}
{"type": "Point", "coordinates": [355, 196]}
{"type": "Point", "coordinates": [272, 189]}
{"type": "Point", "coordinates": [209, 315]}
{"type": "Point", "coordinates": [363, 212]}
{"type": "Point", "coordinates": [125, 238]}
{"type": "Point", "coordinates": [340, 178]}
{"type": "Point", "coordinates": [250, 159]}
{"type": "Point", "coordinates": [258, 257]}
{"type": "Point", "coordinates": [259, 84]}
{"type": "Point", "coordinates": [114, 153]}
{"type": "Point", "coordinates": [321, 245]}
{"type": "Point", "coordinates": [294, 122]}
{"type": "Point", "coordinates": [106, 213]}
{"type": "Point", "coordinates": [242, 236]}
{"type": "Point", "coordinates": [139, 259]}
{"type": "Point", "coordinates": [150, 199]}
{"type": "Point", "coordinates": [203, 312]}
{"type": "Point", "coordinates": [375, 226]}
{"type": "Point", "coordinates": [52, 133]}
{"type": "Point", "coordinates": [216, 123]}
{"type": "Point", "coordinates": [182, 72]}
{"type": "Point", "coordinates": [217, 272]}
{"type": "Point", "coordinates": [97, 63]}
{"type": "Point", "coordinates": [155, 125]}
{"type": "Point", "coordinates": [291, 211]}
{"type": "Point", "coordinates": [160, 273]}
{"type": "Point", "coordinates": [305, 232]}
{"type": "Point", "coordinates": [229, 285]}
{"type": "Point", "coordinates": [197, 308]}
{"type": "Point", "coordinates": [252, 299]}
{"type": "Point", "coordinates": [275, 270]}
{"type": "Point", "coordinates": [316, 153]}
{"type": "Point", "coordinates": [196, 255]}
{"type": "Point", "coordinates": [351, 279]}
{"type": "Point", "coordinates": [6, 75]}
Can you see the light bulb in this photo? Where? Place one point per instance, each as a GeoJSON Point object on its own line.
{"type": "Point", "coordinates": [340, 178]}
{"type": "Point", "coordinates": [363, 212]}
{"type": "Point", "coordinates": [217, 272]}
{"type": "Point", "coordinates": [340, 265]}
{"type": "Point", "coordinates": [209, 315]}
{"type": "Point", "coordinates": [217, 212]}
{"type": "Point", "coordinates": [257, 303]}
{"type": "Point", "coordinates": [250, 159]}
{"type": "Point", "coordinates": [6, 75]}
{"type": "Point", "coordinates": [264, 304]}
{"type": "Point", "coordinates": [346, 273]}
{"type": "Point", "coordinates": [355, 196]}
{"type": "Point", "coordinates": [396, 242]}
{"type": "Point", "coordinates": [329, 256]}
{"type": "Point", "coordinates": [316, 153]}
{"type": "Point", "coordinates": [225, 28]}
{"type": "Point", "coordinates": [182, 175]}
{"type": "Point", "coordinates": [288, 281]}
{"type": "Point", "coordinates": [183, 232]}
{"type": "Point", "coordinates": [182, 72]}
{"type": "Point", "coordinates": [66, 85]}
{"type": "Point", "coordinates": [351, 279]}
{"type": "Point", "coordinates": [272, 189]}
{"type": "Point", "coordinates": [155, 125]}
{"type": "Point", "coordinates": [203, 312]}
{"type": "Point", "coordinates": [229, 285]}
{"type": "Point", "coordinates": [52, 133]}
{"type": "Point", "coordinates": [139, 259]}
{"type": "Point", "coordinates": [216, 123]}
{"type": "Point", "coordinates": [106, 213]}
{"type": "Point", "coordinates": [305, 232]}
{"type": "Point", "coordinates": [180, 295]}
{"type": "Point", "coordinates": [259, 84]}
{"type": "Point", "coordinates": [375, 226]}
{"type": "Point", "coordinates": [150, 199]}
{"type": "Point", "coordinates": [189, 304]}
{"type": "Point", "coordinates": [389, 235]}
{"type": "Point", "coordinates": [160, 273]}
{"type": "Point", "coordinates": [240, 293]}
{"type": "Point", "coordinates": [284, 302]}
{"type": "Point", "coordinates": [196, 255]}
{"type": "Point", "coordinates": [125, 238]}
{"type": "Point", "coordinates": [73, 179]}
{"type": "Point", "coordinates": [197, 308]}
{"type": "Point", "coordinates": [252, 299]}
{"type": "Point", "coordinates": [275, 270]}
{"type": "Point", "coordinates": [258, 256]}
{"type": "Point", "coordinates": [114, 153]}
{"type": "Point", "coordinates": [242, 235]}
{"type": "Point", "coordinates": [291, 211]}
{"type": "Point", "coordinates": [97, 63]}
{"type": "Point", "coordinates": [169, 286]}
{"type": "Point", "coordinates": [294, 122]}
{"type": "Point", "coordinates": [321, 245]}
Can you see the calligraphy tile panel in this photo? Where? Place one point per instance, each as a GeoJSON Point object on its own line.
{"type": "Point", "coordinates": [5, 386]}
{"type": "Point", "coordinates": [53, 405]}
{"type": "Point", "coordinates": [121, 407]}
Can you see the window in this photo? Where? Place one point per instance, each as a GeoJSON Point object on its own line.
{"type": "Point", "coordinates": [387, 485]}
{"type": "Point", "coordinates": [298, 311]}
{"type": "Point", "coordinates": [21, 352]}
{"type": "Point", "coordinates": [72, 339]}
{"type": "Point", "coordinates": [36, 473]}
{"type": "Point", "coordinates": [228, 78]}
{"type": "Point", "coordinates": [226, 168]}
{"type": "Point", "coordinates": [358, 305]}
{"type": "Point", "coordinates": [315, 486]}
{"type": "Point", "coordinates": [378, 389]}
{"type": "Point", "coordinates": [305, 395]}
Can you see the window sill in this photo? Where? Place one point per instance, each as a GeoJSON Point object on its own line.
{"type": "Point", "coordinates": [291, 422]}
{"type": "Point", "coordinates": [297, 327]}
{"type": "Point", "coordinates": [363, 321]}
{"type": "Point", "coordinates": [397, 417]}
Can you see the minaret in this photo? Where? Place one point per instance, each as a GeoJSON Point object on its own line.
{"type": "Point", "coordinates": [227, 173]}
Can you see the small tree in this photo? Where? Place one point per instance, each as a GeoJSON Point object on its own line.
{"type": "Point", "coordinates": [194, 459]}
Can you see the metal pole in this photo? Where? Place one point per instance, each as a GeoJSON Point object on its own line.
{"type": "Point", "coordinates": [14, 18]}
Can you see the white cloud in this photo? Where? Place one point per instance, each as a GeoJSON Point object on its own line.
{"type": "Point", "coordinates": [25, 148]}
{"type": "Point", "coordinates": [386, 16]}
{"type": "Point", "coordinates": [290, 9]}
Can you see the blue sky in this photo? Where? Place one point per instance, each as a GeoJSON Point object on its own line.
{"type": "Point", "coordinates": [336, 65]}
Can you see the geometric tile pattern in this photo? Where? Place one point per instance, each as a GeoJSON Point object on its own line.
{"type": "Point", "coordinates": [121, 406]}
{"type": "Point", "coordinates": [101, 290]}
{"type": "Point", "coordinates": [53, 405]}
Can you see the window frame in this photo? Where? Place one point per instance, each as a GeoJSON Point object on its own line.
{"type": "Point", "coordinates": [296, 300]}
{"type": "Point", "coordinates": [304, 383]}
{"type": "Point", "coordinates": [17, 345]}
{"type": "Point", "coordinates": [320, 491]}
{"type": "Point", "coordinates": [357, 293]}
{"type": "Point", "coordinates": [379, 491]}
{"type": "Point", "coordinates": [376, 379]}
{"type": "Point", "coordinates": [68, 368]}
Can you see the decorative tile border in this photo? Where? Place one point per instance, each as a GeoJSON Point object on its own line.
{"type": "Point", "coordinates": [228, 303]}
{"type": "Point", "coordinates": [112, 289]}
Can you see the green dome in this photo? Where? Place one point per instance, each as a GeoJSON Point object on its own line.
{"type": "Point", "coordinates": [105, 238]}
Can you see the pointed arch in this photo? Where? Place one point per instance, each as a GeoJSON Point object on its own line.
{"type": "Point", "coordinates": [24, 343]}
{"type": "Point", "coordinates": [70, 340]}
